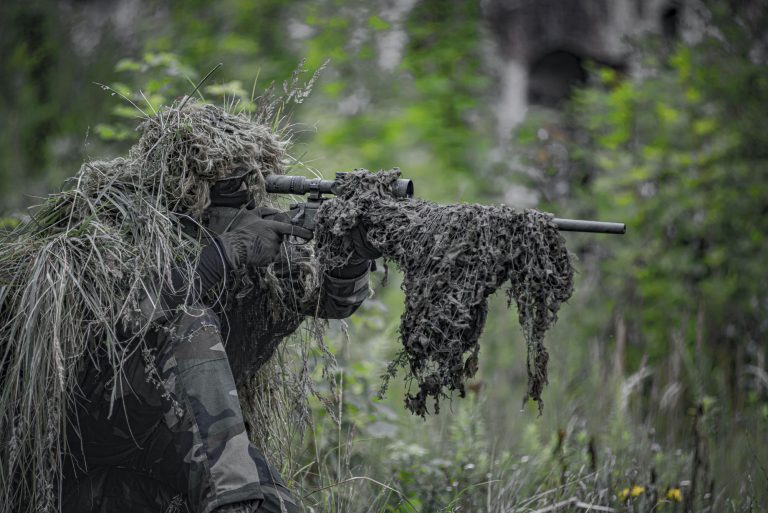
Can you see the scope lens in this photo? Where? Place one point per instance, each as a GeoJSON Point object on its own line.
{"type": "Point", "coordinates": [404, 188]}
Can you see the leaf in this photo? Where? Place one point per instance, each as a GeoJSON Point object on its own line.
{"type": "Point", "coordinates": [377, 23]}
{"type": "Point", "coordinates": [127, 65]}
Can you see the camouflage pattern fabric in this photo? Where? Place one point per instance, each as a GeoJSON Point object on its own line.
{"type": "Point", "coordinates": [176, 438]}
{"type": "Point", "coordinates": [253, 318]}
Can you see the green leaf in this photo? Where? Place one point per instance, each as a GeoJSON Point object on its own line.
{"type": "Point", "coordinates": [113, 132]}
{"type": "Point", "coordinates": [377, 23]}
{"type": "Point", "coordinates": [127, 65]}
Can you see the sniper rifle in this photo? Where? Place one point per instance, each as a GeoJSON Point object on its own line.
{"type": "Point", "coordinates": [304, 213]}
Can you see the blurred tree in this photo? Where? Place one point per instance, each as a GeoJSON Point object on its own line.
{"type": "Point", "coordinates": [44, 108]}
{"type": "Point", "coordinates": [678, 152]}
{"type": "Point", "coordinates": [430, 115]}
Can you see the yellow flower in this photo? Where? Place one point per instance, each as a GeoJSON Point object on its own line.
{"type": "Point", "coordinates": [635, 491]}
{"type": "Point", "coordinates": [674, 494]}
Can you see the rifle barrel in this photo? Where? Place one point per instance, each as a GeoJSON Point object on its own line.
{"type": "Point", "coordinates": [578, 225]}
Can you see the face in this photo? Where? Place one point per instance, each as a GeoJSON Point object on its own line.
{"type": "Point", "coordinates": [228, 196]}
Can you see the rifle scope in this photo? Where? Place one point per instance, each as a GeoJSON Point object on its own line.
{"type": "Point", "coordinates": [287, 184]}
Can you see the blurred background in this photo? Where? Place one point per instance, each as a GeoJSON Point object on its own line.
{"type": "Point", "coordinates": [648, 112]}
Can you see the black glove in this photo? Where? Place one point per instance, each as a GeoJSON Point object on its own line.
{"type": "Point", "coordinates": [255, 237]}
{"type": "Point", "coordinates": [361, 259]}
{"type": "Point", "coordinates": [364, 250]}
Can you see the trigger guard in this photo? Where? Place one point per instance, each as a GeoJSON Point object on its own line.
{"type": "Point", "coordinates": [297, 218]}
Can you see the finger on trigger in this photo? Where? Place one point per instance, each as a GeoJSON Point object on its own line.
{"type": "Point", "coordinates": [291, 229]}
{"type": "Point", "coordinates": [267, 212]}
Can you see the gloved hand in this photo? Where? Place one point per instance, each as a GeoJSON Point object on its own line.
{"type": "Point", "coordinates": [255, 237]}
{"type": "Point", "coordinates": [364, 250]}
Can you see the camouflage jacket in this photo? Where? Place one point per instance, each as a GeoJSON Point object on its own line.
{"type": "Point", "coordinates": [174, 438]}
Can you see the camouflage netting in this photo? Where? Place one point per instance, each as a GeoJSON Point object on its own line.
{"type": "Point", "coordinates": [453, 257]}
{"type": "Point", "coordinates": [73, 275]}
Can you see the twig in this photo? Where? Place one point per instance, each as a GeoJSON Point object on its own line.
{"type": "Point", "coordinates": [593, 507]}
{"type": "Point", "coordinates": [575, 502]}
{"type": "Point", "coordinates": [557, 505]}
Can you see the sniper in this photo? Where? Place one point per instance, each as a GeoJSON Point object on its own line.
{"type": "Point", "coordinates": [135, 303]}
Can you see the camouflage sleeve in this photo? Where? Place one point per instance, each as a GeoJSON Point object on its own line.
{"type": "Point", "coordinates": [337, 293]}
{"type": "Point", "coordinates": [221, 465]}
{"type": "Point", "coordinates": [177, 435]}
{"type": "Point", "coordinates": [341, 293]}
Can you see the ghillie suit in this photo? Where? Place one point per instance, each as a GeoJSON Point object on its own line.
{"type": "Point", "coordinates": [78, 347]}
{"type": "Point", "coordinates": [453, 257]}
{"type": "Point", "coordinates": [75, 277]}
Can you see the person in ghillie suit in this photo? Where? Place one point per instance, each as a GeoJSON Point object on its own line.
{"type": "Point", "coordinates": [134, 304]}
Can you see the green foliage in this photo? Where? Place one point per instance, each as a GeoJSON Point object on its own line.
{"type": "Point", "coordinates": [161, 76]}
{"type": "Point", "coordinates": [668, 156]}
{"type": "Point", "coordinates": [429, 117]}
{"type": "Point", "coordinates": [678, 152]}
{"type": "Point", "coordinates": [47, 99]}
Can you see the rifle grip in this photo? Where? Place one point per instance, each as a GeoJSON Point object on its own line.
{"type": "Point", "coordinates": [303, 214]}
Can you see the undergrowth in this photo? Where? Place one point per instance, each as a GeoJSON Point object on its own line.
{"type": "Point", "coordinates": [369, 458]}
{"type": "Point", "coordinates": [595, 448]}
